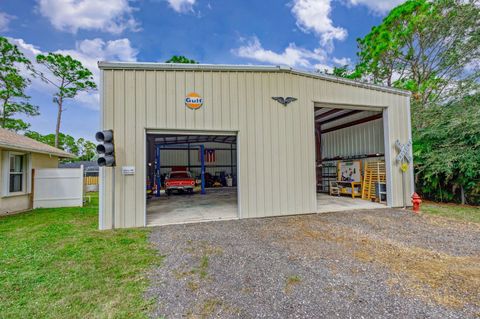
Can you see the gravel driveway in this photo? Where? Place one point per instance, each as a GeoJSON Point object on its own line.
{"type": "Point", "coordinates": [371, 263]}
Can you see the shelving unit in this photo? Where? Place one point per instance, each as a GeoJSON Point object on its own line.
{"type": "Point", "coordinates": [329, 173]}
{"type": "Point", "coordinates": [381, 192]}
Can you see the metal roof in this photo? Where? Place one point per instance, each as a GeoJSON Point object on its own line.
{"type": "Point", "coordinates": [328, 117]}
{"type": "Point", "coordinates": [252, 68]}
{"type": "Point", "coordinates": [13, 141]}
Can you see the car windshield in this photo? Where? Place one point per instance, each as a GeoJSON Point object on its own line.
{"type": "Point", "coordinates": [179, 175]}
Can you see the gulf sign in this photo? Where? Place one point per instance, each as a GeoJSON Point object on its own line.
{"type": "Point", "coordinates": [193, 100]}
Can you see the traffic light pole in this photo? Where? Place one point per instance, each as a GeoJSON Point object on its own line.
{"type": "Point", "coordinates": [113, 197]}
{"type": "Point", "coordinates": [106, 152]}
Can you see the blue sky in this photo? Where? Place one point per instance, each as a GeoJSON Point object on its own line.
{"type": "Point", "coordinates": [304, 34]}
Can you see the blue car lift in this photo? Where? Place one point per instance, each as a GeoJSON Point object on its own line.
{"type": "Point", "coordinates": [159, 147]}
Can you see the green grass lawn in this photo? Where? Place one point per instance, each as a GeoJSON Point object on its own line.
{"type": "Point", "coordinates": [462, 212]}
{"type": "Point", "coordinates": [54, 263]}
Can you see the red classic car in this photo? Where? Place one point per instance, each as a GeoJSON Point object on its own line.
{"type": "Point", "coordinates": [180, 181]}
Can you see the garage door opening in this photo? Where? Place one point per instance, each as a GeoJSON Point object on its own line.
{"type": "Point", "coordinates": [350, 163]}
{"type": "Point", "coordinates": [191, 178]}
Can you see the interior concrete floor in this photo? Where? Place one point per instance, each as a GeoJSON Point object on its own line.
{"type": "Point", "coordinates": [216, 204]}
{"type": "Point", "coordinates": [221, 204]}
{"type": "Point", "coordinates": [327, 203]}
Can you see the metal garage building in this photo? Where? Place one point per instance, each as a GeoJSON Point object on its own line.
{"type": "Point", "coordinates": [277, 145]}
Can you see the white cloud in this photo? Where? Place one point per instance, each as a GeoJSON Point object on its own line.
{"type": "Point", "coordinates": [342, 61]}
{"type": "Point", "coordinates": [323, 68]}
{"type": "Point", "coordinates": [28, 49]}
{"type": "Point", "coordinates": [89, 52]}
{"type": "Point", "coordinates": [377, 6]}
{"type": "Point", "coordinates": [182, 6]}
{"type": "Point", "coordinates": [113, 16]}
{"type": "Point", "coordinates": [292, 56]}
{"type": "Point", "coordinates": [5, 21]}
{"type": "Point", "coordinates": [314, 15]}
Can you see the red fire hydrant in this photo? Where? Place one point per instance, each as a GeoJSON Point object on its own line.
{"type": "Point", "coordinates": [416, 201]}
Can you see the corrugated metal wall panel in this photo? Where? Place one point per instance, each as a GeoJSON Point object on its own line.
{"type": "Point", "coordinates": [285, 180]}
{"type": "Point", "coordinates": [397, 119]}
{"type": "Point", "coordinates": [275, 143]}
{"type": "Point", "coordinates": [140, 147]}
{"type": "Point", "coordinates": [366, 138]}
{"type": "Point", "coordinates": [119, 128]}
{"type": "Point", "coordinates": [275, 179]}
{"type": "Point", "coordinates": [107, 119]}
{"type": "Point", "coordinates": [129, 194]}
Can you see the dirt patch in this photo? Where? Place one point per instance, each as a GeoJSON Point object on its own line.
{"type": "Point", "coordinates": [210, 308]}
{"type": "Point", "coordinates": [450, 281]}
{"type": "Point", "coordinates": [448, 222]}
{"type": "Point", "coordinates": [292, 281]}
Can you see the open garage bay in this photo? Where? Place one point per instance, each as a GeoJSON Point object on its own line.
{"type": "Point", "coordinates": [217, 204]}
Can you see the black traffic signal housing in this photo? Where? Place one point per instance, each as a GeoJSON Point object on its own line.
{"type": "Point", "coordinates": [106, 148]}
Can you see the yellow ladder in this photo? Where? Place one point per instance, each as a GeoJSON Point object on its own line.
{"type": "Point", "coordinates": [374, 172]}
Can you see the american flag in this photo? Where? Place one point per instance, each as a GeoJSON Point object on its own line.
{"type": "Point", "coordinates": [209, 155]}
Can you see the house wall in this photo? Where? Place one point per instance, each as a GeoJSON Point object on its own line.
{"type": "Point", "coordinates": [276, 146]}
{"type": "Point", "coordinates": [16, 203]}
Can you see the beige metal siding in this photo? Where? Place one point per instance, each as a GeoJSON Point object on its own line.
{"type": "Point", "coordinates": [366, 138]}
{"type": "Point", "coordinates": [276, 146]}
{"type": "Point", "coordinates": [398, 119]}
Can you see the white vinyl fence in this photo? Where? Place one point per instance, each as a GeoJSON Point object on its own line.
{"type": "Point", "coordinates": [58, 187]}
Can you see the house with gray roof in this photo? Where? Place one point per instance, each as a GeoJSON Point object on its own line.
{"type": "Point", "coordinates": [19, 156]}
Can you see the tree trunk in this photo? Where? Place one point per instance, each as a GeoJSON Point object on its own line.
{"type": "Point", "coordinates": [3, 117]}
{"type": "Point", "coordinates": [4, 114]}
{"type": "Point", "coordinates": [59, 119]}
{"type": "Point", "coordinates": [462, 194]}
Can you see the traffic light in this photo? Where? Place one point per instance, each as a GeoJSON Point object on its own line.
{"type": "Point", "coordinates": [106, 148]}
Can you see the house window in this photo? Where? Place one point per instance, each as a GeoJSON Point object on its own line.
{"type": "Point", "coordinates": [17, 173]}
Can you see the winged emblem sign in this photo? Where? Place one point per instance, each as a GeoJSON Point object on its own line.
{"type": "Point", "coordinates": [284, 101]}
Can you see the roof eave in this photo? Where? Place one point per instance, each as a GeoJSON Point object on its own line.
{"type": "Point", "coordinates": [232, 67]}
{"type": "Point", "coordinates": [32, 150]}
